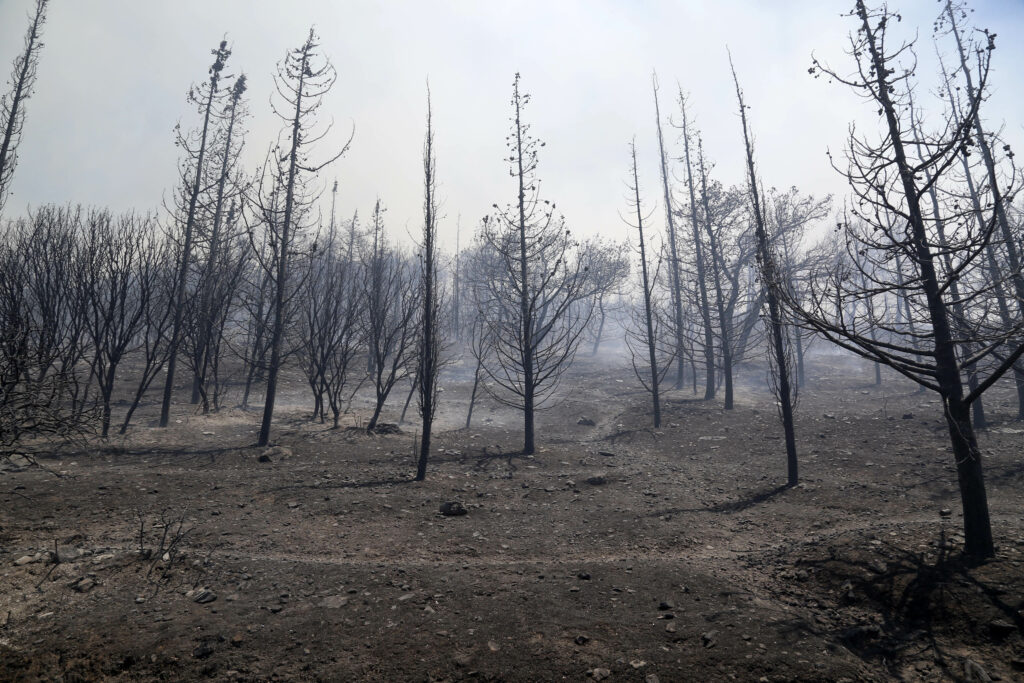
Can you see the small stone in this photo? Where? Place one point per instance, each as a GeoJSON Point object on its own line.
{"type": "Point", "coordinates": [583, 576]}
{"type": "Point", "coordinates": [586, 422]}
{"type": "Point", "coordinates": [204, 596]}
{"type": "Point", "coordinates": [493, 646]}
{"type": "Point", "coordinates": [582, 639]}
{"type": "Point", "coordinates": [452, 509]}
{"type": "Point", "coordinates": [237, 639]}
{"type": "Point", "coordinates": [652, 678]}
{"type": "Point", "coordinates": [708, 639]}
{"type": "Point", "coordinates": [596, 481]}
{"type": "Point", "coordinates": [83, 585]}
{"type": "Point", "coordinates": [637, 663]}
{"type": "Point", "coordinates": [599, 674]}
{"type": "Point", "coordinates": [407, 596]}
{"type": "Point", "coordinates": [264, 458]}
{"type": "Point", "coordinates": [23, 560]}
{"type": "Point", "coordinates": [606, 454]}
{"type": "Point", "coordinates": [665, 605]}
{"type": "Point", "coordinates": [908, 416]}
{"type": "Point", "coordinates": [670, 627]}
{"type": "Point", "coordinates": [945, 512]}
{"type": "Point", "coordinates": [292, 506]}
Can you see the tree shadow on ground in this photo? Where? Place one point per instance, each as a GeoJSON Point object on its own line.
{"type": "Point", "coordinates": [923, 599]}
{"type": "Point", "coordinates": [729, 506]}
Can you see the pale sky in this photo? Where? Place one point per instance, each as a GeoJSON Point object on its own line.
{"type": "Point", "coordinates": [114, 74]}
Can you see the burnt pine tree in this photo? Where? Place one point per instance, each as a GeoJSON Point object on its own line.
{"type": "Point", "coordinates": [533, 312]}
{"type": "Point", "coordinates": [771, 282]}
{"type": "Point", "coordinates": [193, 171]}
{"type": "Point", "coordinates": [718, 274]}
{"type": "Point", "coordinates": [12, 106]}
{"type": "Point", "coordinates": [1010, 242]}
{"type": "Point", "coordinates": [656, 370]}
{"type": "Point", "coordinates": [673, 249]}
{"type": "Point", "coordinates": [430, 327]}
{"type": "Point", "coordinates": [391, 303]}
{"type": "Point", "coordinates": [890, 188]}
{"type": "Point", "coordinates": [699, 258]}
{"type": "Point", "coordinates": [303, 78]}
{"type": "Point", "coordinates": [229, 149]}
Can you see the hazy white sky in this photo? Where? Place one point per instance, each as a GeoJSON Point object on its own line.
{"type": "Point", "coordinates": [114, 74]}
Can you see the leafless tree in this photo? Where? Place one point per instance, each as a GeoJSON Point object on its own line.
{"type": "Point", "coordinates": [221, 267]}
{"type": "Point", "coordinates": [331, 329]}
{"type": "Point", "coordinates": [12, 105]}
{"type": "Point", "coordinates": [391, 301]}
{"type": "Point", "coordinates": [658, 362]}
{"type": "Point", "coordinates": [890, 188]}
{"type": "Point", "coordinates": [535, 322]}
{"type": "Point", "coordinates": [675, 286]}
{"type": "Point", "coordinates": [286, 194]}
{"type": "Point", "coordinates": [773, 284]}
{"type": "Point", "coordinates": [120, 269]}
{"type": "Point", "coordinates": [192, 170]}
{"type": "Point", "coordinates": [430, 341]}
{"type": "Point", "coordinates": [699, 258]}
{"type": "Point", "coordinates": [609, 268]}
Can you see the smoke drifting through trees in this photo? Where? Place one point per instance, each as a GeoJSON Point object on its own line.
{"type": "Point", "coordinates": [246, 278]}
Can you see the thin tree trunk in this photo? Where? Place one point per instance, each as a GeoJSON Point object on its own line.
{"type": "Point", "coordinates": [677, 297]}
{"type": "Point", "coordinates": [770, 280]}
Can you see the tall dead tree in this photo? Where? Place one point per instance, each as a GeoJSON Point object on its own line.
{"type": "Point", "coordinates": [535, 321]}
{"type": "Point", "coordinates": [673, 249]}
{"type": "Point", "coordinates": [699, 258]}
{"type": "Point", "coordinates": [211, 300]}
{"type": "Point", "coordinates": [193, 169]}
{"type": "Point", "coordinates": [890, 188]}
{"type": "Point", "coordinates": [772, 284]}
{"type": "Point", "coordinates": [12, 106]}
{"type": "Point", "coordinates": [655, 371]}
{"type": "Point", "coordinates": [1010, 239]}
{"type": "Point", "coordinates": [430, 300]}
{"type": "Point", "coordinates": [718, 275]}
{"type": "Point", "coordinates": [303, 77]}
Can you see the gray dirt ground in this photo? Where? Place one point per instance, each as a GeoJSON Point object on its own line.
{"type": "Point", "coordinates": [616, 552]}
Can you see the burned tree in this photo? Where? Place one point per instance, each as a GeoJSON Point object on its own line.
{"type": "Point", "coordinates": [193, 170]}
{"type": "Point", "coordinates": [609, 267]}
{"type": "Point", "coordinates": [773, 285]}
{"type": "Point", "coordinates": [675, 287]}
{"type": "Point", "coordinates": [430, 300]}
{"type": "Point", "coordinates": [286, 194]}
{"type": "Point", "coordinates": [12, 106]}
{"type": "Point", "coordinates": [535, 322]}
{"type": "Point", "coordinates": [330, 324]}
{"type": "Point", "coordinates": [222, 267]}
{"type": "Point", "coordinates": [648, 335]}
{"type": "Point", "coordinates": [890, 188]}
{"type": "Point", "coordinates": [699, 258]}
{"type": "Point", "coordinates": [120, 265]}
{"type": "Point", "coordinates": [391, 301]}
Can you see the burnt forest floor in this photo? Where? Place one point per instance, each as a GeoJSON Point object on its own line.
{"type": "Point", "coordinates": [617, 552]}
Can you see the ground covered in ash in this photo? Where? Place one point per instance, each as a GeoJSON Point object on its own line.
{"type": "Point", "coordinates": [617, 552]}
